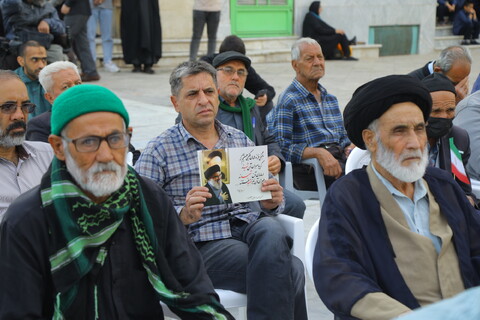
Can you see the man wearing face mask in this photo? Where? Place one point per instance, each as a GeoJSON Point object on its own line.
{"type": "Point", "coordinates": [449, 145]}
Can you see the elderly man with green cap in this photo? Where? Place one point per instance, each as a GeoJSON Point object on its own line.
{"type": "Point", "coordinates": [94, 240]}
{"type": "Point", "coordinates": [397, 235]}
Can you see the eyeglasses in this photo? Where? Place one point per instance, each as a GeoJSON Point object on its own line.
{"type": "Point", "coordinates": [11, 107]}
{"type": "Point", "coordinates": [231, 71]}
{"type": "Point", "coordinates": [92, 143]}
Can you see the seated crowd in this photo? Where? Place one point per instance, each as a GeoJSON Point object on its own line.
{"type": "Point", "coordinates": [85, 235]}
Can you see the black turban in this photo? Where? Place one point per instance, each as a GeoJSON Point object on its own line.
{"type": "Point", "coordinates": [374, 98]}
{"type": "Point", "coordinates": [314, 6]}
{"type": "Point", "coordinates": [211, 170]}
{"type": "Point", "coordinates": [438, 82]}
{"type": "Point", "coordinates": [214, 154]}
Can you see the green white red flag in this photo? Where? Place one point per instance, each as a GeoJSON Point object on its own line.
{"type": "Point", "coordinates": [458, 169]}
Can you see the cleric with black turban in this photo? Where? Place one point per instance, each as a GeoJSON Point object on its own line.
{"type": "Point", "coordinates": [397, 235]}
{"type": "Point", "coordinates": [374, 98]}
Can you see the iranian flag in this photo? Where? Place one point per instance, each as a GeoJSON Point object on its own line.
{"type": "Point", "coordinates": [458, 169]}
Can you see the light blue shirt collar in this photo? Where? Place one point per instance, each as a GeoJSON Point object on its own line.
{"type": "Point", "coordinates": [416, 212]}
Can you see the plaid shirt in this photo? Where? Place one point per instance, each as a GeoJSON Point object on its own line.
{"type": "Point", "coordinates": [299, 121]}
{"type": "Point", "coordinates": [171, 161]}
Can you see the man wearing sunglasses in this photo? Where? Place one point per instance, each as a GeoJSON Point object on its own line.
{"type": "Point", "coordinates": [94, 240]}
{"type": "Point", "coordinates": [22, 163]}
{"type": "Point", "coordinates": [243, 114]}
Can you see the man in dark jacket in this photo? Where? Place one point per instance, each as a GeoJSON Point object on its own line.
{"type": "Point", "coordinates": [466, 24]}
{"type": "Point", "coordinates": [34, 20]}
{"type": "Point", "coordinates": [243, 114]}
{"type": "Point", "coordinates": [449, 145]}
{"type": "Point", "coordinates": [327, 36]}
{"type": "Point", "coordinates": [264, 92]}
{"type": "Point", "coordinates": [94, 240]}
{"type": "Point", "coordinates": [394, 236]}
{"type": "Point", "coordinates": [455, 62]}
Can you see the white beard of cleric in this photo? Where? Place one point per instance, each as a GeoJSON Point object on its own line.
{"type": "Point", "coordinates": [214, 184]}
{"type": "Point", "coordinates": [386, 158]}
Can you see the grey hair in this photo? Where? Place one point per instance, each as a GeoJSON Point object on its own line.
{"type": "Point", "coordinates": [46, 74]}
{"type": "Point", "coordinates": [452, 54]}
{"type": "Point", "coordinates": [300, 42]}
{"type": "Point", "coordinates": [189, 68]}
{"type": "Point", "coordinates": [373, 126]}
{"type": "Point", "coordinates": [8, 75]}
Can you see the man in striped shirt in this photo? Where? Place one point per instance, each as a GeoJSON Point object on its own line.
{"type": "Point", "coordinates": [243, 247]}
{"type": "Point", "coordinates": [307, 121]}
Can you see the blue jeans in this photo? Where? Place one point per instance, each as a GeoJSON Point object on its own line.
{"type": "Point", "coordinates": [104, 18]}
{"type": "Point", "coordinates": [294, 205]}
{"type": "Point", "coordinates": [200, 18]}
{"type": "Point", "coordinates": [257, 261]}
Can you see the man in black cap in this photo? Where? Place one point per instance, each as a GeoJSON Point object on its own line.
{"type": "Point", "coordinates": [396, 235]}
{"type": "Point", "coordinates": [255, 84]}
{"type": "Point", "coordinates": [448, 145]}
{"type": "Point", "coordinates": [216, 187]}
{"type": "Point", "coordinates": [243, 114]}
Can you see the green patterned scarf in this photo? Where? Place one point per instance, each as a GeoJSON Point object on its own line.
{"type": "Point", "coordinates": [246, 104]}
{"type": "Point", "coordinates": [81, 229]}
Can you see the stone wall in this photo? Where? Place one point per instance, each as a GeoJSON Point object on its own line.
{"type": "Point", "coordinates": [176, 16]}
{"type": "Point", "coordinates": [356, 16]}
{"type": "Point", "coordinates": [353, 16]}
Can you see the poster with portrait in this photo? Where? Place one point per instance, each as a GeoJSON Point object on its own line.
{"type": "Point", "coordinates": [234, 174]}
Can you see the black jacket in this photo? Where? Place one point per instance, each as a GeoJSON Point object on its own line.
{"type": "Point", "coordinates": [80, 7]}
{"type": "Point", "coordinates": [38, 128]}
{"type": "Point", "coordinates": [421, 73]}
{"type": "Point", "coordinates": [26, 287]}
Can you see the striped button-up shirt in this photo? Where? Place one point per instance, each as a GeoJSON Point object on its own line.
{"type": "Point", "coordinates": [171, 161]}
{"type": "Point", "coordinates": [299, 121]}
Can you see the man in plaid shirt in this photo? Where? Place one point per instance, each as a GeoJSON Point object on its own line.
{"type": "Point", "coordinates": [243, 248]}
{"type": "Point", "coordinates": [307, 121]}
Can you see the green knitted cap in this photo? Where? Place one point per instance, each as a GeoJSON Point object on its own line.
{"type": "Point", "coordinates": [86, 98]}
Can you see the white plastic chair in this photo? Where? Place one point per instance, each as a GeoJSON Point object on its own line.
{"type": "Point", "coordinates": [236, 303]}
{"type": "Point", "coordinates": [286, 180]}
{"type": "Point", "coordinates": [310, 248]}
{"type": "Point", "coordinates": [475, 187]}
{"type": "Point", "coordinates": [357, 159]}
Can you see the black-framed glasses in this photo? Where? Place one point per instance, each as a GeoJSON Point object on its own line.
{"type": "Point", "coordinates": [11, 107]}
{"type": "Point", "coordinates": [92, 143]}
{"type": "Point", "coordinates": [231, 71]}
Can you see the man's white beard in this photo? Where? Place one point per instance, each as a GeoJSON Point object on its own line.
{"type": "Point", "coordinates": [415, 171]}
{"type": "Point", "coordinates": [94, 180]}
{"type": "Point", "coordinates": [215, 184]}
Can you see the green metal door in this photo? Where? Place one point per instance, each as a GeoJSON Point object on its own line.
{"type": "Point", "coordinates": [261, 18]}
